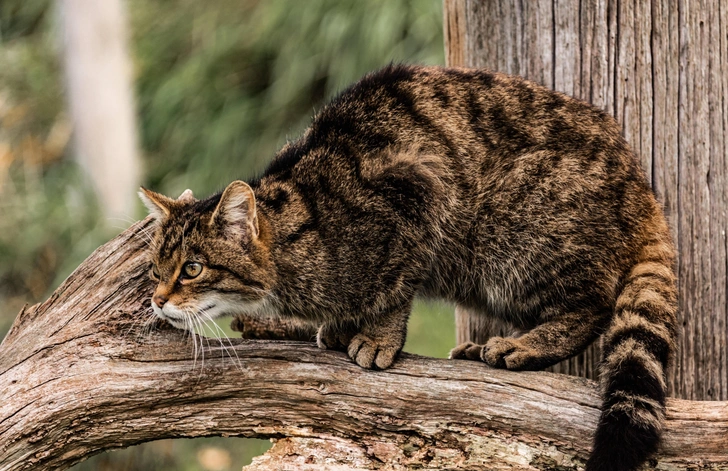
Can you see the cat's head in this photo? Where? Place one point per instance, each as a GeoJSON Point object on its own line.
{"type": "Point", "coordinates": [207, 256]}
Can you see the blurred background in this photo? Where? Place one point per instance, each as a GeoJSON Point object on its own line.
{"type": "Point", "coordinates": [214, 89]}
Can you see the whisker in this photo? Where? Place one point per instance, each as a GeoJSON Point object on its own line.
{"type": "Point", "coordinates": [202, 348]}
{"type": "Point", "coordinates": [190, 327]}
{"type": "Point", "coordinates": [222, 344]}
{"type": "Point", "coordinates": [146, 234]}
{"type": "Point", "coordinates": [207, 339]}
{"type": "Point", "coordinates": [146, 327]}
{"type": "Point", "coordinates": [123, 218]}
{"type": "Point", "coordinates": [214, 333]}
{"type": "Point", "coordinates": [194, 327]}
{"type": "Point", "coordinates": [136, 320]}
{"type": "Point", "coordinates": [142, 232]}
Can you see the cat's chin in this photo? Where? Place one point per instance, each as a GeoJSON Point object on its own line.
{"type": "Point", "coordinates": [177, 324]}
{"type": "Point", "coordinates": [173, 316]}
{"type": "Point", "coordinates": [186, 318]}
{"type": "Point", "coordinates": [228, 307]}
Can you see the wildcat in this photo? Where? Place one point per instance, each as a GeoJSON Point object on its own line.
{"type": "Point", "coordinates": [487, 190]}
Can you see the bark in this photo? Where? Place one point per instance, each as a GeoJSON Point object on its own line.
{"type": "Point", "coordinates": [661, 69]}
{"type": "Point", "coordinates": [87, 371]}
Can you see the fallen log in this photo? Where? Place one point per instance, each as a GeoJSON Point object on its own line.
{"type": "Point", "coordinates": [90, 370]}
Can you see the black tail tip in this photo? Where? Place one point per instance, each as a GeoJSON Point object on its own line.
{"type": "Point", "coordinates": [621, 445]}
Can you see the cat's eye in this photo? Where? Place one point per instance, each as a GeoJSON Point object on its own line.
{"type": "Point", "coordinates": [154, 273]}
{"type": "Point", "coordinates": [192, 269]}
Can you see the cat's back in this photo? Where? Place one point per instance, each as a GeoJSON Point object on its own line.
{"type": "Point", "coordinates": [485, 142]}
{"type": "Point", "coordinates": [495, 110]}
{"type": "Point", "coordinates": [482, 125]}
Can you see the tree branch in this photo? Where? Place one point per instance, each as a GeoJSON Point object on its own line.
{"type": "Point", "coordinates": [86, 371]}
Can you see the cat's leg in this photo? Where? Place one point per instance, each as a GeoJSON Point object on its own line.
{"type": "Point", "coordinates": [336, 335]}
{"type": "Point", "coordinates": [269, 328]}
{"type": "Point", "coordinates": [479, 327]}
{"type": "Point", "coordinates": [559, 336]}
{"type": "Point", "coordinates": [378, 342]}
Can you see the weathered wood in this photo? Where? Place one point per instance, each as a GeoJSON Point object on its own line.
{"type": "Point", "coordinates": [87, 371]}
{"type": "Point", "coordinates": [661, 68]}
{"type": "Point", "coordinates": [454, 32]}
{"type": "Point", "coordinates": [273, 329]}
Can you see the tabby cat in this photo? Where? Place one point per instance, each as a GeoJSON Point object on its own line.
{"type": "Point", "coordinates": [483, 189]}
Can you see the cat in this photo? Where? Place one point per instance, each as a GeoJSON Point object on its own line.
{"type": "Point", "coordinates": [483, 189]}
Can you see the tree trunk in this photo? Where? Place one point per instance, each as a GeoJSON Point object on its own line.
{"type": "Point", "coordinates": [660, 68]}
{"type": "Point", "coordinates": [99, 84]}
{"type": "Point", "coordinates": [89, 370]}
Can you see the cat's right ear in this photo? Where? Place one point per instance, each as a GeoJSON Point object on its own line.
{"type": "Point", "coordinates": [235, 213]}
{"type": "Point", "coordinates": [158, 205]}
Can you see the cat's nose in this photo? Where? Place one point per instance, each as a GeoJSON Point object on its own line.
{"type": "Point", "coordinates": [159, 300]}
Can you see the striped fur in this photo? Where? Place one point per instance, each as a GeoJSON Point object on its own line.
{"type": "Point", "coordinates": [638, 345]}
{"type": "Point", "coordinates": [508, 199]}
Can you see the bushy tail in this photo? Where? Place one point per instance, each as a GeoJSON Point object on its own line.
{"type": "Point", "coordinates": [637, 347]}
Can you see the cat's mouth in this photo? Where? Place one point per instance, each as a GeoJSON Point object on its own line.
{"type": "Point", "coordinates": [177, 320]}
{"type": "Point", "coordinates": [185, 317]}
{"type": "Point", "coordinates": [170, 314]}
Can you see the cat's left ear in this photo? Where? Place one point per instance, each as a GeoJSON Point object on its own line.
{"type": "Point", "coordinates": [158, 204]}
{"type": "Point", "coordinates": [235, 213]}
{"type": "Point", "coordinates": [186, 197]}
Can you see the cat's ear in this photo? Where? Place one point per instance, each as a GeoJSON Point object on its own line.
{"type": "Point", "coordinates": [235, 213]}
{"type": "Point", "coordinates": [158, 205]}
{"type": "Point", "coordinates": [186, 197]}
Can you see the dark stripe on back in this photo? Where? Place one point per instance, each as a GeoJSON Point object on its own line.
{"type": "Point", "coordinates": [277, 201]}
{"type": "Point", "coordinates": [300, 231]}
{"type": "Point", "coordinates": [284, 162]}
{"type": "Point", "coordinates": [406, 100]}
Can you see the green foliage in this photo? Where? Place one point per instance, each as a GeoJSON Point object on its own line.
{"type": "Point", "coordinates": [47, 227]}
{"type": "Point", "coordinates": [218, 454]}
{"type": "Point", "coordinates": [221, 85]}
{"type": "Point", "coordinates": [431, 329]}
{"type": "Point", "coordinates": [220, 88]}
{"type": "Point", "coordinates": [30, 79]}
{"type": "Point", "coordinates": [48, 218]}
{"type": "Point", "coordinates": [22, 18]}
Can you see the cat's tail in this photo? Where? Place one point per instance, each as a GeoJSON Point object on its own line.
{"type": "Point", "coordinates": [637, 346]}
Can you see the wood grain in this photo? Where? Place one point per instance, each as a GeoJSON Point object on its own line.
{"type": "Point", "coordinates": [661, 68]}
{"type": "Point", "coordinates": [85, 372]}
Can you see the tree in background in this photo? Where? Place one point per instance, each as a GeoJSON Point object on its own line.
{"type": "Point", "coordinates": [220, 86]}
{"type": "Point", "coordinates": [100, 100]}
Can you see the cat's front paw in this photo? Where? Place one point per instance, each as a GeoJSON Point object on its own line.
{"type": "Point", "coordinates": [467, 351]}
{"type": "Point", "coordinates": [237, 325]}
{"type": "Point", "coordinates": [509, 353]}
{"type": "Point", "coordinates": [369, 353]}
